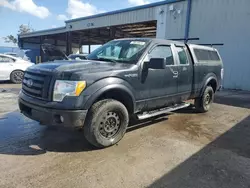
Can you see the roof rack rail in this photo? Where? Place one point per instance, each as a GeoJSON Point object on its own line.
{"type": "Point", "coordinates": [204, 44]}
{"type": "Point", "coordinates": [212, 44]}
{"type": "Point", "coordinates": [186, 40]}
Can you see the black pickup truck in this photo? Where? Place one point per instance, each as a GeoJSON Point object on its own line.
{"type": "Point", "coordinates": [135, 77]}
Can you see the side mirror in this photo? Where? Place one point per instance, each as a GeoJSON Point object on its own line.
{"type": "Point", "coordinates": [156, 63]}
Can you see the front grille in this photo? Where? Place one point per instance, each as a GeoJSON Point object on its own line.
{"type": "Point", "coordinates": [36, 85]}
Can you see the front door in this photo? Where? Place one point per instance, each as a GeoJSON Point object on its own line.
{"type": "Point", "coordinates": [161, 84]}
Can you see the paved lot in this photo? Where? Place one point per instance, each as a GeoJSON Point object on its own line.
{"type": "Point", "coordinates": [183, 149]}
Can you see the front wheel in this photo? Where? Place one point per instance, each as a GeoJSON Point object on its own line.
{"type": "Point", "coordinates": [106, 123]}
{"type": "Point", "coordinates": [203, 103]}
{"type": "Point", "coordinates": [16, 76]}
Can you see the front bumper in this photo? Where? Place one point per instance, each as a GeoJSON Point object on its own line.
{"type": "Point", "coordinates": [54, 117]}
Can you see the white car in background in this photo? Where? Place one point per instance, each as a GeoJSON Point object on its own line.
{"type": "Point", "coordinates": [11, 53]}
{"type": "Point", "coordinates": [12, 68]}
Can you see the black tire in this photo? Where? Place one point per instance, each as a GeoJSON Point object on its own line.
{"type": "Point", "coordinates": [16, 76]}
{"type": "Point", "coordinates": [203, 103]}
{"type": "Point", "coordinates": [106, 123]}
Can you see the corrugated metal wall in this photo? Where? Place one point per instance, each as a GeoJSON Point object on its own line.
{"type": "Point", "coordinates": [171, 23]}
{"type": "Point", "coordinates": [136, 16]}
{"type": "Point", "coordinates": [228, 22]}
{"type": "Point", "coordinates": [176, 19]}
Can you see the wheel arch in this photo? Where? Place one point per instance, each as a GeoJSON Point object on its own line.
{"type": "Point", "coordinates": [210, 80]}
{"type": "Point", "coordinates": [115, 91]}
{"type": "Point", "coordinates": [16, 70]}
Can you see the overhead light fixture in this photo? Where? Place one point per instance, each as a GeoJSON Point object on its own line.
{"type": "Point", "coordinates": [160, 11]}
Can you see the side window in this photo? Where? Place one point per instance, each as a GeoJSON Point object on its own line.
{"type": "Point", "coordinates": [163, 52]}
{"type": "Point", "coordinates": [182, 55]}
{"type": "Point", "coordinates": [4, 59]}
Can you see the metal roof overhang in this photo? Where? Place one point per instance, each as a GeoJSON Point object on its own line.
{"type": "Point", "coordinates": [44, 32]}
{"type": "Point", "coordinates": [126, 10]}
{"type": "Point", "coordinates": [95, 35]}
{"type": "Point", "coordinates": [105, 34]}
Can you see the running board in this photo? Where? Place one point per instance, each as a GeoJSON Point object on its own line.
{"type": "Point", "coordinates": [153, 113]}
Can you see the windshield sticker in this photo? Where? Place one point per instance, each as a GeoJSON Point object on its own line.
{"type": "Point", "coordinates": [137, 42]}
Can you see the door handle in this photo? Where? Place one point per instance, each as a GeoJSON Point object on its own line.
{"type": "Point", "coordinates": [175, 74]}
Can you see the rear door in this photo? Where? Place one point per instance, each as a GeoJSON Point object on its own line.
{"type": "Point", "coordinates": [6, 67]}
{"type": "Point", "coordinates": [185, 72]}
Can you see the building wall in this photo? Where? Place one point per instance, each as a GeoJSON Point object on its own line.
{"type": "Point", "coordinates": [31, 51]}
{"type": "Point", "coordinates": [31, 46]}
{"type": "Point", "coordinates": [228, 22]}
{"type": "Point", "coordinates": [44, 32]}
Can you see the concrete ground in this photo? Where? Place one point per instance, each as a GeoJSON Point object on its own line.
{"type": "Point", "coordinates": [182, 149]}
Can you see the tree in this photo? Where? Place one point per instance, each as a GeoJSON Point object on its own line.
{"type": "Point", "coordinates": [22, 30]}
{"type": "Point", "coordinates": [25, 29]}
{"type": "Point", "coordinates": [10, 38]}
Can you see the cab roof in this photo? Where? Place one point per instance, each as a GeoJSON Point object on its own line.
{"type": "Point", "coordinates": [154, 40]}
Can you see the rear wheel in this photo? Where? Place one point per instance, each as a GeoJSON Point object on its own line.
{"type": "Point", "coordinates": [203, 103]}
{"type": "Point", "coordinates": [106, 123]}
{"type": "Point", "coordinates": [16, 76]}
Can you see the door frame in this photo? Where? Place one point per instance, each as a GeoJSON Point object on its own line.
{"type": "Point", "coordinates": [175, 65]}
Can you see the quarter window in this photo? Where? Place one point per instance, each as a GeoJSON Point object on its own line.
{"type": "Point", "coordinates": [182, 55]}
{"type": "Point", "coordinates": [164, 52]}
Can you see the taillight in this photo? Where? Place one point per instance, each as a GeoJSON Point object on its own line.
{"type": "Point", "coordinates": [222, 73]}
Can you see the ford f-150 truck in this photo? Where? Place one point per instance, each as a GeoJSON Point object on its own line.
{"type": "Point", "coordinates": [134, 77]}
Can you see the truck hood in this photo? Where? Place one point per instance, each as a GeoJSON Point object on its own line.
{"type": "Point", "coordinates": [86, 66]}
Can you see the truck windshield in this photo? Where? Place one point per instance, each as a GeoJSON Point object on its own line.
{"type": "Point", "coordinates": [123, 51]}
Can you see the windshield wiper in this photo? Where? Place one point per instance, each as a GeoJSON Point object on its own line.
{"type": "Point", "coordinates": [105, 59]}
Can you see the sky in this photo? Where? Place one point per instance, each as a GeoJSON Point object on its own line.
{"type": "Point", "coordinates": [46, 14]}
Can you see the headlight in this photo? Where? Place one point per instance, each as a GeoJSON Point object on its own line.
{"type": "Point", "coordinates": [64, 88]}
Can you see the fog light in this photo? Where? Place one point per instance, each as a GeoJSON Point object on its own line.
{"type": "Point", "coordinates": [61, 119]}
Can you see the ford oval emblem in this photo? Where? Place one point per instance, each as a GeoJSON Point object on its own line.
{"type": "Point", "coordinates": [29, 83]}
